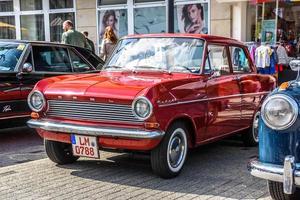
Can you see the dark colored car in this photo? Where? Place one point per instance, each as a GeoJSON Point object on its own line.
{"type": "Point", "coordinates": [24, 63]}
{"type": "Point", "coordinates": [279, 150]}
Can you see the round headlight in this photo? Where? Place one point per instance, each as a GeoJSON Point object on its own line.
{"type": "Point", "coordinates": [36, 101]}
{"type": "Point", "coordinates": [279, 111]}
{"type": "Point", "coordinates": [142, 108]}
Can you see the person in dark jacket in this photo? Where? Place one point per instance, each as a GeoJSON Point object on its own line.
{"type": "Point", "coordinates": [73, 37]}
{"type": "Point", "coordinates": [91, 43]}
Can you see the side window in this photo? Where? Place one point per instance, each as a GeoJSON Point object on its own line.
{"type": "Point", "coordinates": [51, 59]}
{"type": "Point", "coordinates": [79, 65]}
{"type": "Point", "coordinates": [240, 62]}
{"type": "Point", "coordinates": [91, 57]}
{"type": "Point", "coordinates": [217, 60]}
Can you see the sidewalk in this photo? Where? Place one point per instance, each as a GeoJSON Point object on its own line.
{"type": "Point", "coordinates": [215, 171]}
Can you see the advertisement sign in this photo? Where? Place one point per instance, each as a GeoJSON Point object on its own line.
{"type": "Point", "coordinates": [268, 31]}
{"type": "Point", "coordinates": [117, 19]}
{"type": "Point", "coordinates": [191, 18]}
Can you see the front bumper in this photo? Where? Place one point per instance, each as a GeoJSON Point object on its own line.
{"type": "Point", "coordinates": [286, 174]}
{"type": "Point", "coordinates": [57, 126]}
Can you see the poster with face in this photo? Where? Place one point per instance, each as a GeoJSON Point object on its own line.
{"type": "Point", "coordinates": [191, 18]}
{"type": "Point", "coordinates": [117, 19]}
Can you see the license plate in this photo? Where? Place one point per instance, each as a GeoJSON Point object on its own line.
{"type": "Point", "coordinates": [85, 146]}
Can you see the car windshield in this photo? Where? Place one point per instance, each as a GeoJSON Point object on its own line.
{"type": "Point", "coordinates": [166, 54]}
{"type": "Point", "coordinates": [9, 55]}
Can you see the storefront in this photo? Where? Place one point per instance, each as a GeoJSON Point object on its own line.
{"type": "Point", "coordinates": [151, 16]}
{"type": "Point", "coordinates": [35, 19]}
{"type": "Point", "coordinates": [273, 21]}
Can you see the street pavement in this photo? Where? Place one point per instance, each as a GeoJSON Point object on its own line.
{"type": "Point", "coordinates": [215, 171]}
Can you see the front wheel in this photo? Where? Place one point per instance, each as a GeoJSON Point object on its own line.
{"type": "Point", "coordinates": [60, 153]}
{"type": "Point", "coordinates": [250, 138]}
{"type": "Point", "coordinates": [168, 158]}
{"type": "Point", "coordinates": [276, 192]}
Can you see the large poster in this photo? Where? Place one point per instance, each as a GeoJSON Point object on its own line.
{"type": "Point", "coordinates": [117, 19]}
{"type": "Point", "coordinates": [268, 31]}
{"type": "Point", "coordinates": [191, 18]}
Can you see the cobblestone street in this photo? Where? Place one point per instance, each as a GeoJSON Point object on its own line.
{"type": "Point", "coordinates": [215, 171]}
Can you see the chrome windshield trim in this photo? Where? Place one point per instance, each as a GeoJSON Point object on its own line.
{"type": "Point", "coordinates": [57, 126]}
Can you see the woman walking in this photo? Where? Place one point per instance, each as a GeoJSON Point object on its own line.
{"type": "Point", "coordinates": [108, 43]}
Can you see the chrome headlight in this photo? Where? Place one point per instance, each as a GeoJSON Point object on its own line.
{"type": "Point", "coordinates": [36, 101]}
{"type": "Point", "coordinates": [142, 108]}
{"type": "Point", "coordinates": [279, 111]}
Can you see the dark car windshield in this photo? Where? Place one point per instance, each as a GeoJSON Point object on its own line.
{"type": "Point", "coordinates": [9, 55]}
{"type": "Point", "coordinates": [171, 54]}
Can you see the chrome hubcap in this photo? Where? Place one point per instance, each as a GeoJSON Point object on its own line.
{"type": "Point", "coordinates": [177, 150]}
{"type": "Point", "coordinates": [255, 126]}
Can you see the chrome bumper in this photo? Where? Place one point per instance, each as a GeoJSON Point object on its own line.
{"type": "Point", "coordinates": [286, 174]}
{"type": "Point", "coordinates": [57, 126]}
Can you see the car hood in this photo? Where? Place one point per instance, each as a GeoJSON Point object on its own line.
{"type": "Point", "coordinates": [112, 85]}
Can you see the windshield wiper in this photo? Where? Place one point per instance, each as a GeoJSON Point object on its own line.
{"type": "Point", "coordinates": [113, 66]}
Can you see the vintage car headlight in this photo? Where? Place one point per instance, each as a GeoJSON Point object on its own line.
{"type": "Point", "coordinates": [279, 111]}
{"type": "Point", "coordinates": [36, 101]}
{"type": "Point", "coordinates": [142, 108]}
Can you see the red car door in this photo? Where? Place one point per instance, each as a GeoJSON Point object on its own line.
{"type": "Point", "coordinates": [223, 93]}
{"type": "Point", "coordinates": [253, 86]}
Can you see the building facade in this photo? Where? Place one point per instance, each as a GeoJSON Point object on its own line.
{"type": "Point", "coordinates": [246, 20]}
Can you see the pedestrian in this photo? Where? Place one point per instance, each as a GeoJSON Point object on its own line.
{"type": "Point", "coordinates": [91, 43]}
{"type": "Point", "coordinates": [283, 59]}
{"type": "Point", "coordinates": [108, 43]}
{"type": "Point", "coordinates": [73, 37]}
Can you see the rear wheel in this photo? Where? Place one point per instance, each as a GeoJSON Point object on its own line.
{"type": "Point", "coordinates": [251, 137]}
{"type": "Point", "coordinates": [168, 158]}
{"type": "Point", "coordinates": [58, 152]}
{"type": "Point", "coordinates": [276, 192]}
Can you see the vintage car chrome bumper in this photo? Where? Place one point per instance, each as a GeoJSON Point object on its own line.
{"type": "Point", "coordinates": [286, 174]}
{"type": "Point", "coordinates": [57, 126]}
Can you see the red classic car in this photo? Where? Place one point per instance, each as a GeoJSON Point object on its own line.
{"type": "Point", "coordinates": [158, 93]}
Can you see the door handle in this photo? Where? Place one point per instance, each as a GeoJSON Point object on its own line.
{"type": "Point", "coordinates": [19, 75]}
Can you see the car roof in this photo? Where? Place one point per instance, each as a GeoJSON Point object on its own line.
{"type": "Point", "coordinates": [208, 38]}
{"type": "Point", "coordinates": [37, 42]}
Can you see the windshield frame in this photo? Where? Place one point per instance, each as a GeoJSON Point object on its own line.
{"type": "Point", "coordinates": [105, 66]}
{"type": "Point", "coordinates": [21, 58]}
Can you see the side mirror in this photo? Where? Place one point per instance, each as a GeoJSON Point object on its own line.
{"type": "Point", "coordinates": [295, 65]}
{"type": "Point", "coordinates": [27, 67]}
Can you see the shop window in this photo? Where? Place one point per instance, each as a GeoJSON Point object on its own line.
{"type": "Point", "coordinates": [32, 27]}
{"type": "Point", "coordinates": [61, 4]}
{"type": "Point", "coordinates": [6, 6]}
{"type": "Point", "coordinates": [191, 18]}
{"type": "Point", "coordinates": [111, 2]}
{"type": "Point", "coordinates": [117, 19]}
{"type": "Point", "coordinates": [150, 20]}
{"type": "Point", "coordinates": [26, 5]}
{"type": "Point", "coordinates": [146, 1]}
{"type": "Point", "coordinates": [56, 21]}
{"type": "Point", "coordinates": [8, 30]}
{"type": "Point", "coordinates": [239, 60]}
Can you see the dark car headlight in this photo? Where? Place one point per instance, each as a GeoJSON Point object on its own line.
{"type": "Point", "coordinates": [279, 111]}
{"type": "Point", "coordinates": [142, 108]}
{"type": "Point", "coordinates": [36, 101]}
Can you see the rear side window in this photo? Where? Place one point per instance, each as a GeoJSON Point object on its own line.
{"type": "Point", "coordinates": [239, 60]}
{"type": "Point", "coordinates": [51, 59]}
{"type": "Point", "coordinates": [79, 65]}
{"type": "Point", "coordinates": [91, 57]}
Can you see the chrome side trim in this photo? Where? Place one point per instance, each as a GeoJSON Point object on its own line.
{"type": "Point", "coordinates": [214, 98]}
{"type": "Point", "coordinates": [16, 116]}
{"type": "Point", "coordinates": [57, 126]}
{"type": "Point", "coordinates": [286, 174]}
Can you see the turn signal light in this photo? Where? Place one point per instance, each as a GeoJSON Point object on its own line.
{"type": "Point", "coordinates": [151, 125]}
{"type": "Point", "coordinates": [284, 86]}
{"type": "Point", "coordinates": [35, 115]}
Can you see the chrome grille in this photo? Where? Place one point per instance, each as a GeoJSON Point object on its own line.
{"type": "Point", "coordinates": [90, 111]}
